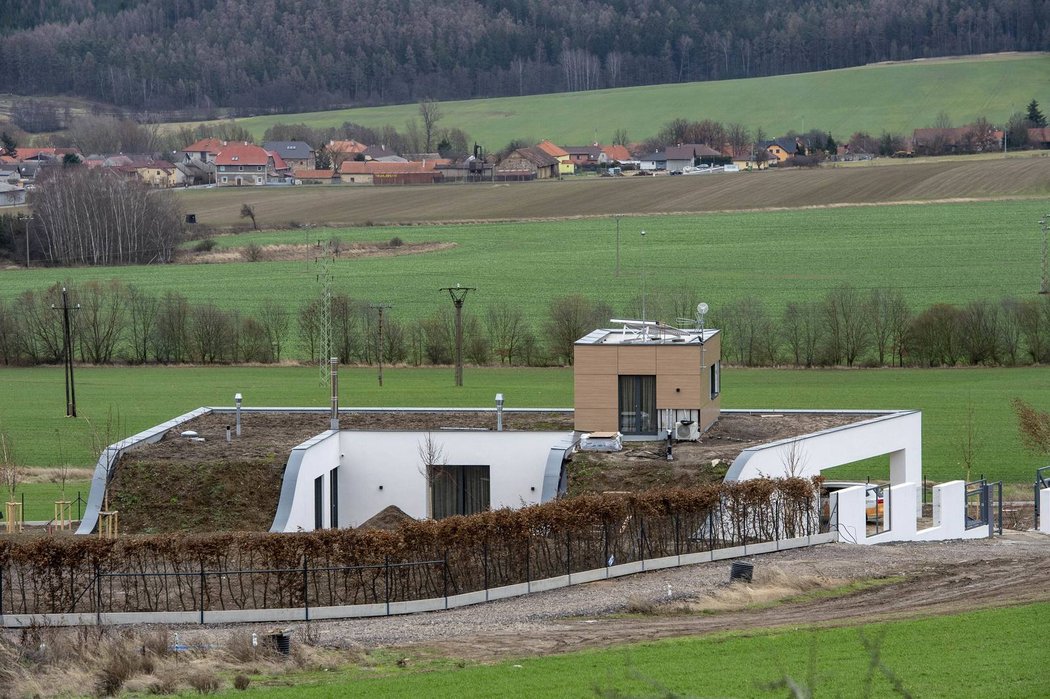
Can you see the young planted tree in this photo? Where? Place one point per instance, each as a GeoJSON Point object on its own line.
{"type": "Point", "coordinates": [1033, 427]}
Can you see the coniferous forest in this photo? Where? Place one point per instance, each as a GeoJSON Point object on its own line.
{"type": "Point", "coordinates": [287, 55]}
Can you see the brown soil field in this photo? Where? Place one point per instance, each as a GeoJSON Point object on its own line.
{"type": "Point", "coordinates": [153, 493]}
{"type": "Point", "coordinates": [592, 196]}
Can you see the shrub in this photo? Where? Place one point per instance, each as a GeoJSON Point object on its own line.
{"type": "Point", "coordinates": [396, 242]}
{"type": "Point", "coordinates": [252, 252]}
{"type": "Point", "coordinates": [205, 245]}
{"type": "Point", "coordinates": [241, 682]}
{"type": "Point", "coordinates": [204, 681]}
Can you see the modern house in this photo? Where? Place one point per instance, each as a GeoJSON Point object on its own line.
{"type": "Point", "coordinates": [687, 155]}
{"type": "Point", "coordinates": [645, 378]}
{"type": "Point", "coordinates": [780, 149]}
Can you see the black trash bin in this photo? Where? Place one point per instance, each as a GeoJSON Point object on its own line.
{"type": "Point", "coordinates": [741, 570]}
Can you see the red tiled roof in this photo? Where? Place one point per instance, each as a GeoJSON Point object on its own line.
{"type": "Point", "coordinates": [205, 145]}
{"type": "Point", "coordinates": [350, 146]}
{"type": "Point", "coordinates": [552, 150]}
{"type": "Point", "coordinates": [278, 161]}
{"type": "Point", "coordinates": [242, 154]}
{"type": "Point", "coordinates": [617, 152]}
{"type": "Point", "coordinates": [373, 167]}
{"type": "Point", "coordinates": [314, 174]}
{"type": "Point", "coordinates": [1039, 135]}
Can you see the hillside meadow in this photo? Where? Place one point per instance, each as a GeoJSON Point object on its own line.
{"type": "Point", "coordinates": [894, 97]}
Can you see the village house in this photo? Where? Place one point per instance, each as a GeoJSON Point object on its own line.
{"type": "Point", "coordinates": [370, 172]}
{"type": "Point", "coordinates": [565, 165]}
{"type": "Point", "coordinates": [296, 154]}
{"type": "Point", "coordinates": [527, 164]}
{"type": "Point", "coordinates": [964, 139]}
{"type": "Point", "coordinates": [247, 164]}
{"type": "Point", "coordinates": [586, 157]}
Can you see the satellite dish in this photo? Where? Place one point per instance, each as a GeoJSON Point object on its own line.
{"type": "Point", "coordinates": [701, 309]}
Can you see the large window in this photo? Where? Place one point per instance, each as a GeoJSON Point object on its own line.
{"type": "Point", "coordinates": [638, 404]}
{"type": "Point", "coordinates": [319, 502]}
{"type": "Point", "coordinates": [716, 379]}
{"type": "Point", "coordinates": [333, 498]}
{"type": "Point", "coordinates": [458, 490]}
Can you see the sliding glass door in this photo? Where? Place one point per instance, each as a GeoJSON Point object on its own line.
{"type": "Point", "coordinates": [638, 404]}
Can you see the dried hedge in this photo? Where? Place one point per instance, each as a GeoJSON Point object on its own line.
{"type": "Point", "coordinates": [422, 559]}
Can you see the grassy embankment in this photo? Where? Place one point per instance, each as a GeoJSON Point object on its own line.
{"type": "Point", "coordinates": [987, 653]}
{"type": "Point", "coordinates": [31, 406]}
{"type": "Point", "coordinates": [894, 97]}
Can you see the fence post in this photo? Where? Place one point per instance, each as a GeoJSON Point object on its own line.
{"type": "Point", "coordinates": [677, 536]}
{"type": "Point", "coordinates": [485, 565]}
{"type": "Point", "coordinates": [202, 591]}
{"type": "Point", "coordinates": [386, 582]}
{"type": "Point", "coordinates": [444, 577]}
{"type": "Point", "coordinates": [79, 500]}
{"type": "Point", "coordinates": [568, 555]}
{"type": "Point", "coordinates": [605, 536]}
{"type": "Point", "coordinates": [2, 568]}
{"type": "Point", "coordinates": [528, 550]}
{"type": "Point", "coordinates": [641, 540]}
{"type": "Point", "coordinates": [306, 587]}
{"type": "Point", "coordinates": [98, 594]}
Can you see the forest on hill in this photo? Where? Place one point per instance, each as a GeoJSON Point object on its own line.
{"type": "Point", "coordinates": [292, 55]}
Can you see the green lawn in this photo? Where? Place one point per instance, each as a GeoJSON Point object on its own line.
{"type": "Point", "coordinates": [32, 402]}
{"type": "Point", "coordinates": [934, 253]}
{"type": "Point", "coordinates": [989, 653]}
{"type": "Point", "coordinates": [885, 97]}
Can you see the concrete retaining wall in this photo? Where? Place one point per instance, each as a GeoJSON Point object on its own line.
{"type": "Point", "coordinates": [1044, 510]}
{"type": "Point", "coordinates": [949, 515]}
{"type": "Point", "coordinates": [412, 607]}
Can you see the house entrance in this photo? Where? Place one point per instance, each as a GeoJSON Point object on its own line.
{"type": "Point", "coordinates": [638, 404]}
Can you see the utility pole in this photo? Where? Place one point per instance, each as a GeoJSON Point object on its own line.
{"type": "Point", "coordinates": [324, 349]}
{"type": "Point", "coordinates": [67, 350]}
{"type": "Point", "coordinates": [458, 294]}
{"type": "Point", "coordinates": [643, 275]}
{"type": "Point", "coordinates": [618, 217]}
{"type": "Point", "coordinates": [1044, 287]}
{"type": "Point", "coordinates": [380, 307]}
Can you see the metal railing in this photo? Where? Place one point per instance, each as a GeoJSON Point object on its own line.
{"type": "Point", "coordinates": [979, 510]}
{"type": "Point", "coordinates": [151, 580]}
{"type": "Point", "coordinates": [1042, 481]}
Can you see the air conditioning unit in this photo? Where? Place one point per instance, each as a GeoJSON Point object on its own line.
{"type": "Point", "coordinates": [686, 431]}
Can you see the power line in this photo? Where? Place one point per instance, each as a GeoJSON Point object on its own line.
{"type": "Point", "coordinates": [379, 358]}
{"type": "Point", "coordinates": [458, 294]}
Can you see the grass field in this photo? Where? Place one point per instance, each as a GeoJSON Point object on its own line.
{"type": "Point", "coordinates": [32, 403]}
{"type": "Point", "coordinates": [897, 97]}
{"type": "Point", "coordinates": [874, 182]}
{"type": "Point", "coordinates": [933, 253]}
{"type": "Point", "coordinates": [988, 653]}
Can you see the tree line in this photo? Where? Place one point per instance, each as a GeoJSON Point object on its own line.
{"type": "Point", "coordinates": [302, 54]}
{"type": "Point", "coordinates": [122, 323]}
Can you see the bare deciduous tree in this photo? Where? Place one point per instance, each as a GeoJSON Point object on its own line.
{"type": "Point", "coordinates": [248, 212]}
{"type": "Point", "coordinates": [430, 113]}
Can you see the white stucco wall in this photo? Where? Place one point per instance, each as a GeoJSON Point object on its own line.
{"type": "Point", "coordinates": [311, 459]}
{"type": "Point", "coordinates": [949, 515]}
{"type": "Point", "coordinates": [898, 434]}
{"type": "Point", "coordinates": [385, 468]}
{"type": "Point", "coordinates": [1044, 510]}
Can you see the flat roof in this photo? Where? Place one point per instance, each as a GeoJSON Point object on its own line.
{"type": "Point", "coordinates": [647, 334]}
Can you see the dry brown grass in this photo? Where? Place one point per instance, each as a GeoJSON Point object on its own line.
{"type": "Point", "coordinates": [46, 662]}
